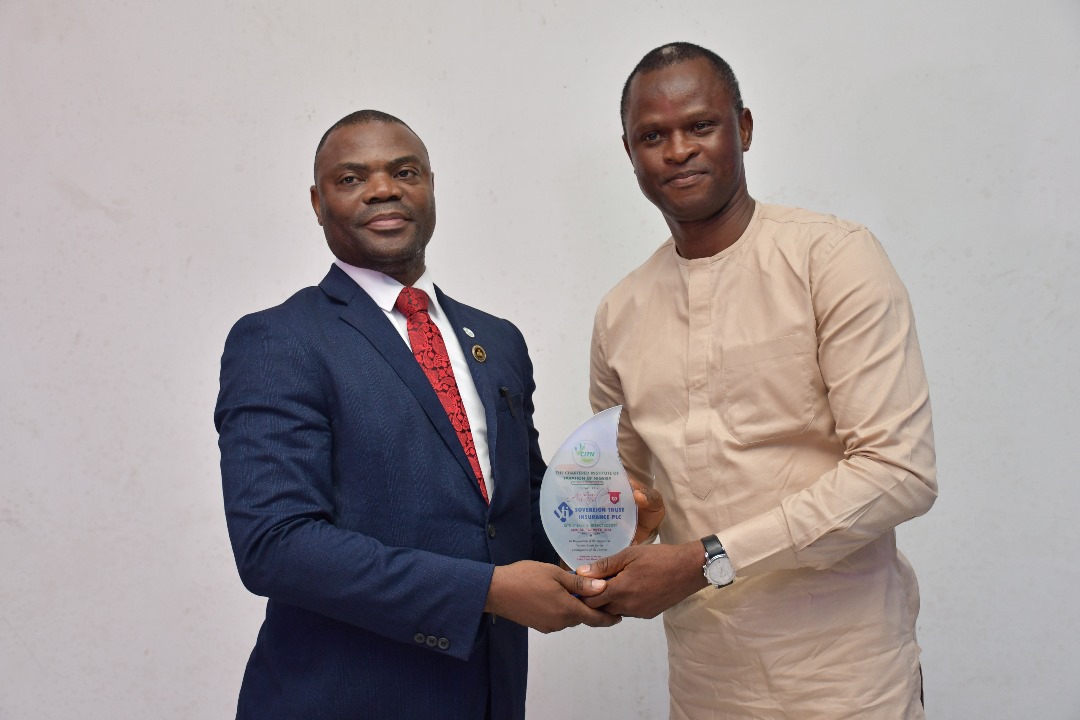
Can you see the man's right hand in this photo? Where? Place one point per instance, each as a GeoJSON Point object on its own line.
{"type": "Point", "coordinates": [541, 596]}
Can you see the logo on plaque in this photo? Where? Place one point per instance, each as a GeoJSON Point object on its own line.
{"type": "Point", "coordinates": [586, 454]}
{"type": "Point", "coordinates": [613, 497]}
{"type": "Point", "coordinates": [563, 512]}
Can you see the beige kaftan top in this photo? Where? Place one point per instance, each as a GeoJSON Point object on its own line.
{"type": "Point", "coordinates": [775, 394]}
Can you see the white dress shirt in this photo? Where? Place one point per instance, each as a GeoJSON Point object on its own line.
{"type": "Point", "coordinates": [384, 290]}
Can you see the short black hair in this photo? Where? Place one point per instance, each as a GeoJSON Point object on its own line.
{"type": "Point", "coordinates": [672, 54]}
{"type": "Point", "coordinates": [360, 117]}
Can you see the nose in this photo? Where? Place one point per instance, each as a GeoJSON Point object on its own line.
{"type": "Point", "coordinates": [380, 187]}
{"type": "Point", "coordinates": [680, 148]}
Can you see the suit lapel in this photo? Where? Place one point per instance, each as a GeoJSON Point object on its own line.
{"type": "Point", "coordinates": [460, 318]}
{"type": "Point", "coordinates": [361, 312]}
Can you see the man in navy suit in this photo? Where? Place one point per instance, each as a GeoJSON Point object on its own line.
{"type": "Point", "coordinates": [396, 589]}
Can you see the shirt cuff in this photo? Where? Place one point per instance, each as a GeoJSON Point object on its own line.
{"type": "Point", "coordinates": [759, 545]}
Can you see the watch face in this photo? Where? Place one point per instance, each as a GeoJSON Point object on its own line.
{"type": "Point", "coordinates": [720, 571]}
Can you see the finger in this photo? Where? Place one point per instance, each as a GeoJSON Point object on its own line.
{"type": "Point", "coordinates": [643, 535]}
{"type": "Point", "coordinates": [597, 601]}
{"type": "Point", "coordinates": [646, 497]}
{"type": "Point", "coordinates": [650, 503]}
{"type": "Point", "coordinates": [599, 618]}
{"type": "Point", "coordinates": [582, 586]}
{"type": "Point", "coordinates": [603, 568]}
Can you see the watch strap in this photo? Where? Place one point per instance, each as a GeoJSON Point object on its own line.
{"type": "Point", "coordinates": [713, 547]}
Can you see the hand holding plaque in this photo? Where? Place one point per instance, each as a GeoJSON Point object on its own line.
{"type": "Point", "coordinates": [586, 501]}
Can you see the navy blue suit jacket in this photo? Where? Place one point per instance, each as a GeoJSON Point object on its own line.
{"type": "Point", "coordinates": [352, 507]}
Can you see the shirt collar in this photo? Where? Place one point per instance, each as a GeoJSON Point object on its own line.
{"type": "Point", "coordinates": [384, 290]}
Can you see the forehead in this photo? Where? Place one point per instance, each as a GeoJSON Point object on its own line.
{"type": "Point", "coordinates": [686, 87]}
{"type": "Point", "coordinates": [373, 143]}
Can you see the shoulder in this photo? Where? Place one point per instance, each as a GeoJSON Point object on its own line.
{"type": "Point", "coordinates": [274, 351]}
{"type": "Point", "coordinates": [640, 284]}
{"type": "Point", "coordinates": [799, 225]}
{"type": "Point", "coordinates": [309, 306]}
{"type": "Point", "coordinates": [843, 259]}
{"type": "Point", "coordinates": [296, 312]}
{"type": "Point", "coordinates": [811, 240]}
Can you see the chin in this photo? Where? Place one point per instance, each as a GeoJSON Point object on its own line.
{"type": "Point", "coordinates": [689, 215]}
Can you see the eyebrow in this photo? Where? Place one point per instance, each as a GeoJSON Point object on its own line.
{"type": "Point", "coordinates": [364, 167]}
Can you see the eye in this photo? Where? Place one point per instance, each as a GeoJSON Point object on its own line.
{"type": "Point", "coordinates": [349, 180]}
{"type": "Point", "coordinates": [702, 126]}
{"type": "Point", "coordinates": [651, 136]}
{"type": "Point", "coordinates": [406, 173]}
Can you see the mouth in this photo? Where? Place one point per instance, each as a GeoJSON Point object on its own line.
{"type": "Point", "coordinates": [387, 221]}
{"type": "Point", "coordinates": [687, 177]}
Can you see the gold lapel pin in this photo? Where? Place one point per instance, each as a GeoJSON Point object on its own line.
{"type": "Point", "coordinates": [479, 353]}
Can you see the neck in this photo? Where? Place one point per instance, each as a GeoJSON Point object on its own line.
{"type": "Point", "coordinates": [408, 278]}
{"type": "Point", "coordinates": [406, 273]}
{"type": "Point", "coordinates": [705, 238]}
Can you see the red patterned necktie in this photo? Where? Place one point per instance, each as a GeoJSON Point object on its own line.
{"type": "Point", "coordinates": [430, 351]}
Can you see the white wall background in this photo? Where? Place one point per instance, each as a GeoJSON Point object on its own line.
{"type": "Point", "coordinates": [155, 160]}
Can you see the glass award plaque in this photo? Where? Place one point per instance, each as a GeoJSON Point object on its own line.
{"type": "Point", "coordinates": [586, 502]}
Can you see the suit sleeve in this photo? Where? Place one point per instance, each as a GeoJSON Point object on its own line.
{"type": "Point", "coordinates": [869, 359]}
{"type": "Point", "coordinates": [276, 453]}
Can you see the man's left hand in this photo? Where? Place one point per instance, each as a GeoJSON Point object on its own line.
{"type": "Point", "coordinates": [645, 580]}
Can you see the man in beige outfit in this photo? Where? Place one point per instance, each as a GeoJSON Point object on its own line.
{"type": "Point", "coordinates": [774, 393]}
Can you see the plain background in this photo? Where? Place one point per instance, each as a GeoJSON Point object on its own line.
{"type": "Point", "coordinates": [156, 159]}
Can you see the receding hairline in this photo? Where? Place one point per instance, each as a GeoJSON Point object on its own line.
{"type": "Point", "coordinates": [364, 117]}
{"type": "Point", "coordinates": [676, 53]}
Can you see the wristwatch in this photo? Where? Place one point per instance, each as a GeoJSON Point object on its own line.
{"type": "Point", "coordinates": [718, 569]}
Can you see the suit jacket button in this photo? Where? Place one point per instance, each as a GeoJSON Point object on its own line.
{"type": "Point", "coordinates": [491, 530]}
{"type": "Point", "coordinates": [432, 641]}
{"type": "Point", "coordinates": [419, 638]}
{"type": "Point", "coordinates": [444, 644]}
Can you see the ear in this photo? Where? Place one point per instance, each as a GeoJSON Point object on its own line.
{"type": "Point", "coordinates": [626, 147]}
{"type": "Point", "coordinates": [432, 181]}
{"type": "Point", "coordinates": [315, 203]}
{"type": "Point", "coordinates": [746, 128]}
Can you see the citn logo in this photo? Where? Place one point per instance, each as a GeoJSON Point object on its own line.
{"type": "Point", "coordinates": [586, 454]}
